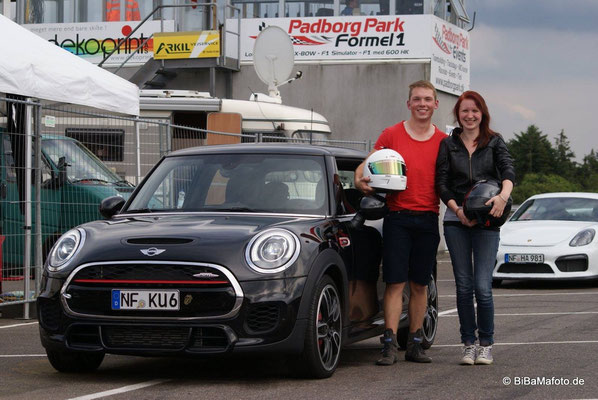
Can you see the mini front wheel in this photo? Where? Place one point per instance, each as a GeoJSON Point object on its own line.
{"type": "Point", "coordinates": [323, 336]}
{"type": "Point", "coordinates": [74, 361]}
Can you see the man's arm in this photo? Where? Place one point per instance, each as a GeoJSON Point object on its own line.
{"type": "Point", "coordinates": [361, 182]}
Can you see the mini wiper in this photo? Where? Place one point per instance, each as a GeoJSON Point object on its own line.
{"type": "Point", "coordinates": [233, 209]}
{"type": "Point", "coordinates": [140, 211]}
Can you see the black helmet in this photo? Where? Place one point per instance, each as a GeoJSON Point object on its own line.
{"type": "Point", "coordinates": [475, 206]}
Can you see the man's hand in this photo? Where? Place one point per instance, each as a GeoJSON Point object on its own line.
{"type": "Point", "coordinates": [362, 184]}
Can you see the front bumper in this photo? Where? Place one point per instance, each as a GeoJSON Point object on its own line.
{"type": "Point", "coordinates": [264, 317]}
{"type": "Point", "coordinates": [559, 263]}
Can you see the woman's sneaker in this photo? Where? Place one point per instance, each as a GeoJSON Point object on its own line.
{"type": "Point", "coordinates": [484, 355]}
{"type": "Point", "coordinates": [469, 355]}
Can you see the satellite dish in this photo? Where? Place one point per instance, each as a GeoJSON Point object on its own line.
{"type": "Point", "coordinates": [273, 57]}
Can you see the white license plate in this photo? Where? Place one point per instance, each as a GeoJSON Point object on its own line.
{"type": "Point", "coordinates": [145, 299]}
{"type": "Point", "coordinates": [524, 258]}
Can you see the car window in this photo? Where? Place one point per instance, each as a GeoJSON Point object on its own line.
{"type": "Point", "coordinates": [236, 182]}
{"type": "Point", "coordinates": [346, 173]}
{"type": "Point", "coordinates": [558, 209]}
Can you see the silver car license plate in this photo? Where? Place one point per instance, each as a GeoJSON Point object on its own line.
{"type": "Point", "coordinates": [524, 258]}
{"type": "Point", "coordinates": [123, 299]}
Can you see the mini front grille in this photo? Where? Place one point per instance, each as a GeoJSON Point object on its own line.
{"type": "Point", "coordinates": [145, 337]}
{"type": "Point", "coordinates": [84, 336]}
{"type": "Point", "coordinates": [158, 241]}
{"type": "Point", "coordinates": [50, 314]}
{"type": "Point", "coordinates": [529, 268]}
{"type": "Point", "coordinates": [577, 263]}
{"type": "Point", "coordinates": [138, 337]}
{"type": "Point", "coordinates": [154, 272]}
{"type": "Point", "coordinates": [208, 338]}
{"type": "Point", "coordinates": [262, 317]}
{"type": "Point", "coordinates": [204, 290]}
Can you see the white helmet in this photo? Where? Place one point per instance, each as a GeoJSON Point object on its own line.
{"type": "Point", "coordinates": [386, 170]}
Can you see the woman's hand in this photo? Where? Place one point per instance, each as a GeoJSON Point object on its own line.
{"type": "Point", "coordinates": [498, 205]}
{"type": "Point", "coordinates": [463, 218]}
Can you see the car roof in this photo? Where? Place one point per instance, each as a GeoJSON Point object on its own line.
{"type": "Point", "coordinates": [584, 195]}
{"type": "Point", "coordinates": [272, 148]}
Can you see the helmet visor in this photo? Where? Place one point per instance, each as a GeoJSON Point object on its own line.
{"type": "Point", "coordinates": [387, 167]}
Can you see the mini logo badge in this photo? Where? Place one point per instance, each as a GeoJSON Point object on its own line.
{"type": "Point", "coordinates": [205, 275]}
{"type": "Point", "coordinates": [152, 251]}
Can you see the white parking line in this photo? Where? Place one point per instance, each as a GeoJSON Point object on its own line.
{"type": "Point", "coordinates": [15, 325]}
{"type": "Point", "coordinates": [123, 389]}
{"type": "Point", "coordinates": [532, 294]}
{"type": "Point", "coordinates": [21, 355]}
{"type": "Point", "coordinates": [444, 313]}
{"type": "Point", "coordinates": [527, 343]}
{"type": "Point", "coordinates": [532, 314]}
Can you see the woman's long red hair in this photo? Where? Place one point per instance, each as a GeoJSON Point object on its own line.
{"type": "Point", "coordinates": [485, 132]}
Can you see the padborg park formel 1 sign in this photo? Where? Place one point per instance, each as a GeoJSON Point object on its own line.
{"type": "Point", "coordinates": [371, 38]}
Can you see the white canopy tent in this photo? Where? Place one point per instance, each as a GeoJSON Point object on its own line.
{"type": "Point", "coordinates": [33, 67]}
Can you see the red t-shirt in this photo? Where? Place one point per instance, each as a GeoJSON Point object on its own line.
{"type": "Point", "coordinates": [420, 159]}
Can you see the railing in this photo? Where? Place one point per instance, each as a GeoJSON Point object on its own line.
{"type": "Point", "coordinates": [214, 9]}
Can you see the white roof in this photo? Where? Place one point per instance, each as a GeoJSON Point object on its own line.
{"type": "Point", "coordinates": [33, 67]}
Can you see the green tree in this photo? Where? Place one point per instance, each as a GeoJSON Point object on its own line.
{"type": "Point", "coordinates": [532, 153]}
{"type": "Point", "coordinates": [565, 166]}
{"type": "Point", "coordinates": [588, 172]}
{"type": "Point", "coordinates": [542, 183]}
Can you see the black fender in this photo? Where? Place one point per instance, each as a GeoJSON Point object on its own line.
{"type": "Point", "coordinates": [327, 262]}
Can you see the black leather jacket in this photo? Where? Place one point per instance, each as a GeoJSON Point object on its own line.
{"type": "Point", "coordinates": [456, 172]}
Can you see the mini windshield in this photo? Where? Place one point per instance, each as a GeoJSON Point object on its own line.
{"type": "Point", "coordinates": [235, 183]}
{"type": "Point", "coordinates": [558, 209]}
{"type": "Point", "coordinates": [82, 165]}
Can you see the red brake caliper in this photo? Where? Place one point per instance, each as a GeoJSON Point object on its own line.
{"type": "Point", "coordinates": [319, 319]}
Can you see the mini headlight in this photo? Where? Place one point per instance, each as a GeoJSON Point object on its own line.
{"type": "Point", "coordinates": [272, 251]}
{"type": "Point", "coordinates": [65, 248]}
{"type": "Point", "coordinates": [582, 238]}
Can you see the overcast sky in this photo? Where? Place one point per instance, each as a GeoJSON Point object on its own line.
{"type": "Point", "coordinates": [536, 62]}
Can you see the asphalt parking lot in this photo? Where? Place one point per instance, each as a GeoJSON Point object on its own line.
{"type": "Point", "coordinates": [546, 346]}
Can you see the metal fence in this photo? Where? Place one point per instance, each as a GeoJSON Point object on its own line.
{"type": "Point", "coordinates": [58, 162]}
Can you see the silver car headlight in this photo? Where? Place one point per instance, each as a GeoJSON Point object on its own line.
{"type": "Point", "coordinates": [582, 238]}
{"type": "Point", "coordinates": [272, 251]}
{"type": "Point", "coordinates": [65, 248]}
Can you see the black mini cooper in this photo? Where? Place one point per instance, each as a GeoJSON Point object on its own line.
{"type": "Point", "coordinates": [239, 248]}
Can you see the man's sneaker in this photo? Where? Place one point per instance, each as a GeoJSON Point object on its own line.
{"type": "Point", "coordinates": [390, 348]}
{"type": "Point", "coordinates": [469, 355]}
{"type": "Point", "coordinates": [484, 355]}
{"type": "Point", "coordinates": [415, 352]}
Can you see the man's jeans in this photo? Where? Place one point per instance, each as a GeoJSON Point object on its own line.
{"type": "Point", "coordinates": [473, 275]}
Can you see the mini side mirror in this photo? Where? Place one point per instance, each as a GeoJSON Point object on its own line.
{"type": "Point", "coordinates": [111, 206]}
{"type": "Point", "coordinates": [370, 208]}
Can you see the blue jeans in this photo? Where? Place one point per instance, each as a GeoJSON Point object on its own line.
{"type": "Point", "coordinates": [473, 275]}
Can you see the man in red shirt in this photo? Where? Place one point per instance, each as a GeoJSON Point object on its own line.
{"type": "Point", "coordinates": [410, 230]}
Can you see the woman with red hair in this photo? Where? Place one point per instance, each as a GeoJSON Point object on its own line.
{"type": "Point", "coordinates": [473, 153]}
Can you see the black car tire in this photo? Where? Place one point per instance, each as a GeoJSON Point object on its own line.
{"type": "Point", "coordinates": [323, 336]}
{"type": "Point", "coordinates": [430, 325]}
{"type": "Point", "coordinates": [73, 361]}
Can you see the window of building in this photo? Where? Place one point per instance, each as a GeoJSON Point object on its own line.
{"type": "Point", "coordinates": [106, 144]}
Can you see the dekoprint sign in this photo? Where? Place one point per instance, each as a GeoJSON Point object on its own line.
{"type": "Point", "coordinates": [92, 41]}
